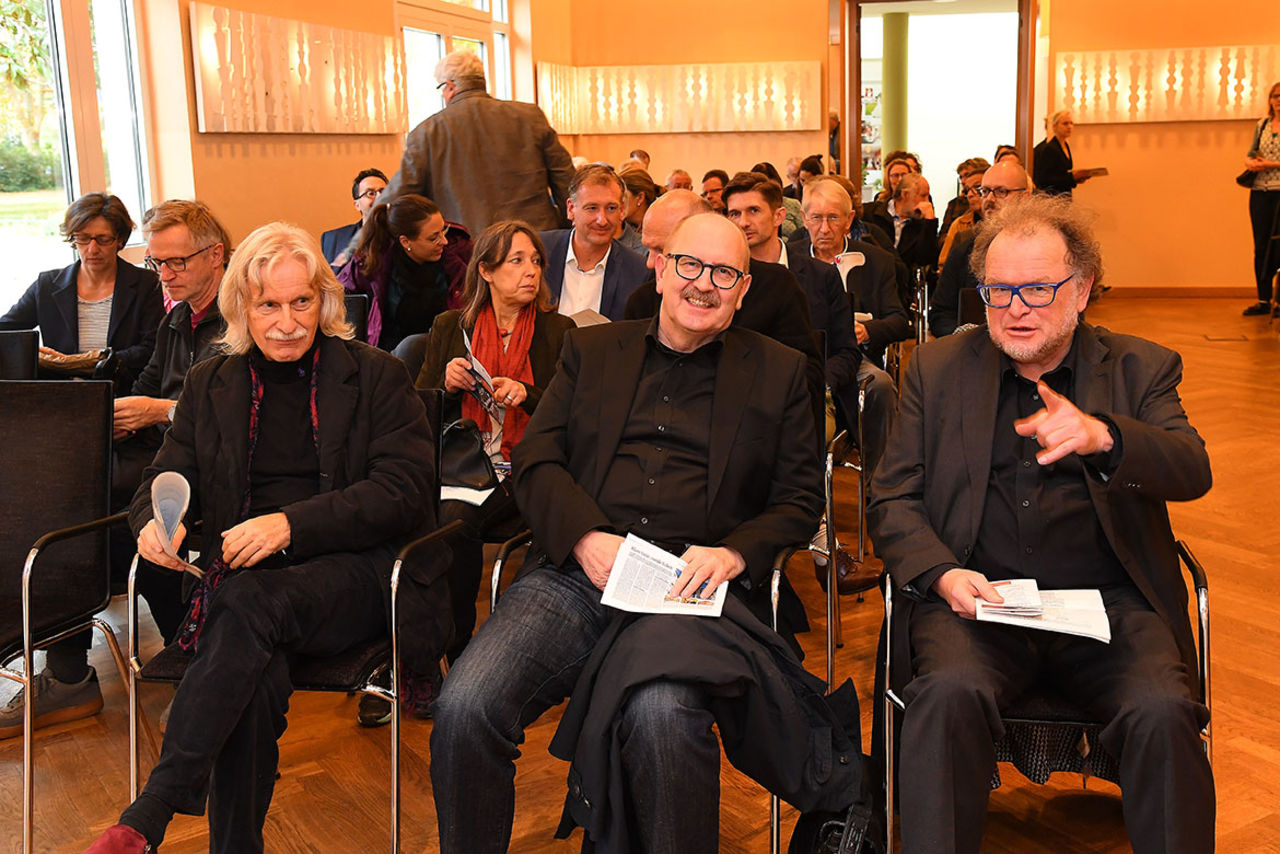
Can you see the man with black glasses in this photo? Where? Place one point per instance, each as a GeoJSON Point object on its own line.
{"type": "Point", "coordinates": [1042, 448]}
{"type": "Point", "coordinates": [698, 437]}
{"type": "Point", "coordinates": [336, 242]}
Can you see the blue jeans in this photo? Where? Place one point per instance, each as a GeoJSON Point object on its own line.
{"type": "Point", "coordinates": [525, 659]}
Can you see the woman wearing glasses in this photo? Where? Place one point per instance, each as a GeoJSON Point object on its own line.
{"type": "Point", "coordinates": [1263, 161]}
{"type": "Point", "coordinates": [100, 301]}
{"type": "Point", "coordinates": [411, 263]}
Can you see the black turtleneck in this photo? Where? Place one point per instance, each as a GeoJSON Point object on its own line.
{"type": "Point", "coordinates": [286, 465]}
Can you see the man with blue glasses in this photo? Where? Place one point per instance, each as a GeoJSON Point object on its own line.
{"type": "Point", "coordinates": [1042, 447]}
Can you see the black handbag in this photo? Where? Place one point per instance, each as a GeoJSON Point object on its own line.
{"type": "Point", "coordinates": [1245, 178]}
{"type": "Point", "coordinates": [463, 460]}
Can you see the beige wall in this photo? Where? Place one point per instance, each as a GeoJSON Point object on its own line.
{"type": "Point", "coordinates": [250, 179]}
{"type": "Point", "coordinates": [671, 32]}
{"type": "Point", "coordinates": [1170, 215]}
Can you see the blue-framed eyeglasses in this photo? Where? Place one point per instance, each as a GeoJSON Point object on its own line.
{"type": "Point", "coordinates": [722, 276]}
{"type": "Point", "coordinates": [1033, 295]}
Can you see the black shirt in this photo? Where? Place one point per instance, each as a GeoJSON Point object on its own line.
{"type": "Point", "coordinates": [416, 293]}
{"type": "Point", "coordinates": [1039, 521]}
{"type": "Point", "coordinates": [656, 486]}
{"type": "Point", "coordinates": [286, 466]}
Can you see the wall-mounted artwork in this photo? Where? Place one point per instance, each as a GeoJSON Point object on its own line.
{"type": "Point", "coordinates": [700, 98]}
{"type": "Point", "coordinates": [1166, 85]}
{"type": "Point", "coordinates": [261, 74]}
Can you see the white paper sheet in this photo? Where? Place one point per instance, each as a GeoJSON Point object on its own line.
{"type": "Point", "coordinates": [642, 577]}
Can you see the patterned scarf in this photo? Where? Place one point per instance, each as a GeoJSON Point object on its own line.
{"type": "Point", "coordinates": [219, 570]}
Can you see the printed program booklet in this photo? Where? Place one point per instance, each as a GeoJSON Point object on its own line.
{"type": "Point", "coordinates": [1072, 612]}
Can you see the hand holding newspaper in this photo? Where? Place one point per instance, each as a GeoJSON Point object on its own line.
{"type": "Point", "coordinates": [641, 580]}
{"type": "Point", "coordinates": [170, 496]}
{"type": "Point", "coordinates": [1071, 612]}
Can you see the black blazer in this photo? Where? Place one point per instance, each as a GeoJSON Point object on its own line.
{"type": "Point", "coordinates": [333, 241]}
{"type": "Point", "coordinates": [944, 307]}
{"type": "Point", "coordinates": [830, 312]}
{"type": "Point", "coordinates": [445, 343]}
{"type": "Point", "coordinates": [1051, 167]}
{"type": "Point", "coordinates": [775, 306]}
{"type": "Point", "coordinates": [929, 490]}
{"type": "Point", "coordinates": [136, 310]}
{"type": "Point", "coordinates": [764, 478]}
{"type": "Point", "coordinates": [918, 244]}
{"type": "Point", "coordinates": [623, 272]}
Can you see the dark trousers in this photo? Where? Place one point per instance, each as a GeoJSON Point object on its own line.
{"type": "Point", "coordinates": [525, 659]}
{"type": "Point", "coordinates": [1263, 208]}
{"type": "Point", "coordinates": [230, 707]}
{"type": "Point", "coordinates": [880, 410]}
{"type": "Point", "coordinates": [497, 518]}
{"type": "Point", "coordinates": [968, 672]}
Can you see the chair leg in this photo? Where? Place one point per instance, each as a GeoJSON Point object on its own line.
{"type": "Point", "coordinates": [775, 825]}
{"type": "Point", "coordinates": [889, 772]}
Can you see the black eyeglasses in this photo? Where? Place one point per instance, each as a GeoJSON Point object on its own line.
{"type": "Point", "coordinates": [175, 265]}
{"type": "Point", "coordinates": [1033, 295]}
{"type": "Point", "coordinates": [83, 240]}
{"type": "Point", "coordinates": [370, 194]}
{"type": "Point", "coordinates": [442, 84]}
{"type": "Point", "coordinates": [998, 192]}
{"type": "Point", "coordinates": [722, 276]}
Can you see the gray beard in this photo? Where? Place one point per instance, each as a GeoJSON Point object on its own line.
{"type": "Point", "coordinates": [1028, 353]}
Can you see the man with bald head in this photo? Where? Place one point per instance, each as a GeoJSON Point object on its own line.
{"type": "Point", "coordinates": [1006, 180]}
{"type": "Point", "coordinates": [698, 437]}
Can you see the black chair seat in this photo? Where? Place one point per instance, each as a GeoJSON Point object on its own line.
{"type": "Point", "coordinates": [11, 621]}
{"type": "Point", "coordinates": [347, 671]}
{"type": "Point", "coordinates": [1044, 732]}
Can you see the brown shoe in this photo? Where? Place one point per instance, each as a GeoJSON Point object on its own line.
{"type": "Point", "coordinates": [120, 839]}
{"type": "Point", "coordinates": [851, 576]}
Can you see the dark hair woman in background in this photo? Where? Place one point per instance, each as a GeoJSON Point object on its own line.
{"type": "Point", "coordinates": [1263, 161]}
{"type": "Point", "coordinates": [99, 301]}
{"type": "Point", "coordinates": [411, 263]}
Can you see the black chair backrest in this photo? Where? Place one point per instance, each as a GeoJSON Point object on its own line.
{"type": "Point", "coordinates": [18, 354]}
{"type": "Point", "coordinates": [358, 315]}
{"type": "Point", "coordinates": [55, 472]}
{"type": "Point", "coordinates": [433, 400]}
{"type": "Point", "coordinates": [972, 309]}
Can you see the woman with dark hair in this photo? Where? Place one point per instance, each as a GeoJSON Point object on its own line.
{"type": "Point", "coordinates": [1263, 161]}
{"type": "Point", "coordinates": [795, 212]}
{"type": "Point", "coordinates": [411, 263]}
{"type": "Point", "coordinates": [515, 335]}
{"type": "Point", "coordinates": [641, 192]}
{"type": "Point", "coordinates": [101, 301]}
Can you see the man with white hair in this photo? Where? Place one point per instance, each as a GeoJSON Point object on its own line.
{"type": "Point", "coordinates": [311, 463]}
{"type": "Point", "coordinates": [483, 160]}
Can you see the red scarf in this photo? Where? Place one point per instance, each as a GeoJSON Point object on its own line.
{"type": "Point", "coordinates": [513, 363]}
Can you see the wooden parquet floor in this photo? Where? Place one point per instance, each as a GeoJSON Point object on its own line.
{"type": "Point", "coordinates": [332, 793]}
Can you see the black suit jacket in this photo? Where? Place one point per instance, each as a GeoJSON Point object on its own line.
{"type": "Point", "coordinates": [918, 244]}
{"type": "Point", "coordinates": [775, 306]}
{"type": "Point", "coordinates": [929, 489]}
{"type": "Point", "coordinates": [623, 272]}
{"type": "Point", "coordinates": [1051, 167]}
{"type": "Point", "coordinates": [830, 312]}
{"type": "Point", "coordinates": [944, 306]}
{"type": "Point", "coordinates": [333, 241]}
{"type": "Point", "coordinates": [764, 481]}
{"type": "Point", "coordinates": [445, 343]}
{"type": "Point", "coordinates": [136, 310]}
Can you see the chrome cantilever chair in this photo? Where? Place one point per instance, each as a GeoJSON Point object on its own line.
{"type": "Point", "coordinates": [1044, 732]}
{"type": "Point", "coordinates": [349, 672]}
{"type": "Point", "coordinates": [56, 473]}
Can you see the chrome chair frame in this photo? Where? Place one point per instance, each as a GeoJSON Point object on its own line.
{"type": "Point", "coordinates": [893, 704]}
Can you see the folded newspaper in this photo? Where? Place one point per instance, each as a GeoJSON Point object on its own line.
{"type": "Point", "coordinates": [1071, 612]}
{"type": "Point", "coordinates": [641, 580]}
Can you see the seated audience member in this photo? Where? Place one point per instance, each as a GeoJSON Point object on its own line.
{"type": "Point", "coordinates": [337, 243]}
{"type": "Point", "coordinates": [795, 214]}
{"type": "Point", "coordinates": [1006, 180]}
{"type": "Point", "coordinates": [585, 267]}
{"type": "Point", "coordinates": [894, 169]}
{"type": "Point", "coordinates": [515, 335]}
{"type": "Point", "coordinates": [970, 174]}
{"type": "Point", "coordinates": [810, 168]}
{"type": "Point", "coordinates": [1007, 152]}
{"type": "Point", "coordinates": [1041, 447]}
{"type": "Point", "coordinates": [641, 155]}
{"type": "Point", "coordinates": [679, 180]}
{"type": "Point", "coordinates": [299, 533]}
{"type": "Point", "coordinates": [99, 302]}
{"type": "Point", "coordinates": [912, 160]}
{"type": "Point", "coordinates": [908, 217]}
{"type": "Point", "coordinates": [776, 307]}
{"type": "Point", "coordinates": [641, 192]}
{"type": "Point", "coordinates": [713, 189]}
{"type": "Point", "coordinates": [832, 225]}
{"type": "Point", "coordinates": [629, 164]}
{"type": "Point", "coordinates": [792, 188]}
{"type": "Point", "coordinates": [411, 263]}
{"type": "Point", "coordinates": [659, 402]}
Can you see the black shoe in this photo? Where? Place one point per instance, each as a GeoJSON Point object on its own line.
{"type": "Point", "coordinates": [375, 711]}
{"type": "Point", "coordinates": [855, 831]}
{"type": "Point", "coordinates": [1257, 309]}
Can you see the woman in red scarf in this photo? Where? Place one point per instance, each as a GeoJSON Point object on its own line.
{"type": "Point", "coordinates": [515, 335]}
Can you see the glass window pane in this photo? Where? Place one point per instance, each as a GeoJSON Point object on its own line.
{"type": "Point", "coordinates": [422, 51]}
{"type": "Point", "coordinates": [116, 79]}
{"type": "Point", "coordinates": [482, 5]}
{"type": "Point", "coordinates": [501, 66]}
{"type": "Point", "coordinates": [478, 48]}
{"type": "Point", "coordinates": [500, 11]}
{"type": "Point", "coordinates": [33, 193]}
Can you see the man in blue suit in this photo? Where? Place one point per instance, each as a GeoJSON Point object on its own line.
{"type": "Point", "coordinates": [585, 267]}
{"type": "Point", "coordinates": [336, 242]}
